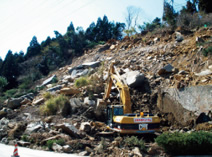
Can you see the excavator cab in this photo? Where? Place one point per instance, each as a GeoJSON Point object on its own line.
{"type": "Point", "coordinates": [114, 110]}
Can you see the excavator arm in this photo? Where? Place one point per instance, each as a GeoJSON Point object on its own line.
{"type": "Point", "coordinates": [115, 78]}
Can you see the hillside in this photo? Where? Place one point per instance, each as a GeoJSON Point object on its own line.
{"type": "Point", "coordinates": [177, 87]}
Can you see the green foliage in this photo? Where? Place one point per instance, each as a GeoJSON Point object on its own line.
{"type": "Point", "coordinates": [130, 31]}
{"type": "Point", "coordinates": [195, 143]}
{"type": "Point", "coordinates": [208, 51]}
{"type": "Point", "coordinates": [47, 95]}
{"type": "Point", "coordinates": [25, 138]}
{"type": "Point", "coordinates": [3, 82]}
{"type": "Point", "coordinates": [133, 141]}
{"type": "Point", "coordinates": [156, 23]}
{"type": "Point", "coordinates": [33, 49]}
{"type": "Point", "coordinates": [81, 82]}
{"type": "Point", "coordinates": [10, 70]}
{"type": "Point", "coordinates": [169, 14]}
{"type": "Point", "coordinates": [53, 105]}
{"type": "Point", "coordinates": [104, 30]}
{"type": "Point", "coordinates": [50, 143]}
{"type": "Point", "coordinates": [77, 146]}
{"type": "Point", "coordinates": [10, 93]}
{"type": "Point", "coordinates": [28, 80]}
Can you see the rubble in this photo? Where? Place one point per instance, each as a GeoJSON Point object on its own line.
{"type": "Point", "coordinates": [149, 65]}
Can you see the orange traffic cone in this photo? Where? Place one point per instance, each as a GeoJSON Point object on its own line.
{"type": "Point", "coordinates": [15, 153]}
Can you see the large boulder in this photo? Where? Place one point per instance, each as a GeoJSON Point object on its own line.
{"type": "Point", "coordinates": [33, 127]}
{"type": "Point", "coordinates": [78, 73]}
{"type": "Point", "coordinates": [76, 104]}
{"type": "Point", "coordinates": [14, 103]}
{"type": "Point", "coordinates": [68, 129]}
{"type": "Point", "coordinates": [134, 78]}
{"type": "Point", "coordinates": [185, 104]}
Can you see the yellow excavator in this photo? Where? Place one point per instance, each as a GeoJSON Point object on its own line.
{"type": "Point", "coordinates": [120, 117]}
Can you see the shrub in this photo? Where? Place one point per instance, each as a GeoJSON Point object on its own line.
{"type": "Point", "coordinates": [195, 143]}
{"type": "Point", "coordinates": [10, 93]}
{"type": "Point", "coordinates": [53, 105]}
{"type": "Point", "coordinates": [133, 141]}
{"type": "Point", "coordinates": [25, 138]}
{"type": "Point", "coordinates": [191, 21]}
{"type": "Point", "coordinates": [47, 95]}
{"type": "Point", "coordinates": [82, 81]}
{"type": "Point", "coordinates": [208, 51]}
{"type": "Point", "coordinates": [51, 142]}
{"type": "Point", "coordinates": [3, 82]}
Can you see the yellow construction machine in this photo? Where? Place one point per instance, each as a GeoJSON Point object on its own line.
{"type": "Point", "coordinates": [120, 117]}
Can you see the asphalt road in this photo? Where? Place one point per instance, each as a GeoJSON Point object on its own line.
{"type": "Point", "coordinates": [7, 151]}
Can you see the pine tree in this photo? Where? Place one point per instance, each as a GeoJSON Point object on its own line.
{"type": "Point", "coordinates": [34, 48]}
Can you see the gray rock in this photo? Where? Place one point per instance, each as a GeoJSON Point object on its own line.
{"type": "Point", "coordinates": [83, 153]}
{"type": "Point", "coordinates": [57, 148]}
{"type": "Point", "coordinates": [29, 96]}
{"type": "Point", "coordinates": [4, 140]}
{"type": "Point", "coordinates": [49, 80]}
{"type": "Point", "coordinates": [179, 37]}
{"type": "Point", "coordinates": [77, 73]}
{"type": "Point", "coordinates": [89, 102]}
{"type": "Point", "coordinates": [67, 78]}
{"type": "Point", "coordinates": [187, 103]}
{"type": "Point", "coordinates": [68, 129]}
{"type": "Point", "coordinates": [86, 127]}
{"type": "Point", "coordinates": [14, 103]}
{"type": "Point", "coordinates": [55, 88]}
{"type": "Point", "coordinates": [204, 73]}
{"type": "Point", "coordinates": [166, 69]}
{"type": "Point", "coordinates": [33, 127]}
{"type": "Point", "coordinates": [183, 72]}
{"type": "Point", "coordinates": [91, 64]}
{"type": "Point", "coordinates": [134, 78]}
{"type": "Point", "coordinates": [23, 143]}
{"type": "Point", "coordinates": [75, 104]}
{"type": "Point", "coordinates": [67, 149]}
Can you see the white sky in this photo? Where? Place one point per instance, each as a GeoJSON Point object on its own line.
{"type": "Point", "coordinates": [20, 20]}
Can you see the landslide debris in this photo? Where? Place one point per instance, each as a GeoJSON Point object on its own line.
{"type": "Point", "coordinates": [158, 69]}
